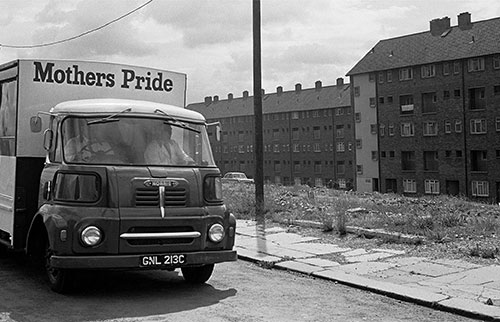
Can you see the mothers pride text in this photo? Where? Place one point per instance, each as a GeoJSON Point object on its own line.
{"type": "Point", "coordinates": [46, 73]}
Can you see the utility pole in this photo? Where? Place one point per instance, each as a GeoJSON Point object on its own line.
{"type": "Point", "coordinates": [257, 105]}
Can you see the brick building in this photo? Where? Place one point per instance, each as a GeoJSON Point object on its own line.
{"type": "Point", "coordinates": [308, 134]}
{"type": "Point", "coordinates": [427, 111]}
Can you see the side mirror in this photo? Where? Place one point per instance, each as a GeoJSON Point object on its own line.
{"type": "Point", "coordinates": [48, 137]}
{"type": "Point", "coordinates": [218, 129]}
{"type": "Point", "coordinates": [36, 124]}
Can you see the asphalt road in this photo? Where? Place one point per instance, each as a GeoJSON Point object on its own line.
{"type": "Point", "coordinates": [238, 291]}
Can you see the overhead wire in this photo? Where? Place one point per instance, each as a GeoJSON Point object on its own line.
{"type": "Point", "coordinates": [79, 35]}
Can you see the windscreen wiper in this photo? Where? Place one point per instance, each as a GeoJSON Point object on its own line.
{"type": "Point", "coordinates": [175, 122]}
{"type": "Point", "coordinates": [110, 118]}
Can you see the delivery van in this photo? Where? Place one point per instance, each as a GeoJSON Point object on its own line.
{"type": "Point", "coordinates": [103, 168]}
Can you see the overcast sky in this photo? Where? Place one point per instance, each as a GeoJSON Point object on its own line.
{"type": "Point", "coordinates": [211, 40]}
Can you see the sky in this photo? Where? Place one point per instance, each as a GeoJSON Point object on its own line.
{"type": "Point", "coordinates": [211, 41]}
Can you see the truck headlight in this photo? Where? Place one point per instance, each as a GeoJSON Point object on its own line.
{"type": "Point", "coordinates": [91, 236]}
{"type": "Point", "coordinates": [216, 233]}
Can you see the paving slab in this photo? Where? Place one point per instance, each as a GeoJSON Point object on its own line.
{"type": "Point", "coordinates": [405, 261]}
{"type": "Point", "coordinates": [318, 262]}
{"type": "Point", "coordinates": [287, 238]}
{"type": "Point", "coordinates": [317, 248]}
{"type": "Point", "coordinates": [455, 263]}
{"type": "Point", "coordinates": [299, 267]}
{"type": "Point", "coordinates": [390, 251]}
{"type": "Point", "coordinates": [355, 252]}
{"type": "Point", "coordinates": [394, 275]}
{"type": "Point", "coordinates": [277, 250]}
{"type": "Point", "coordinates": [365, 267]}
{"type": "Point", "coordinates": [370, 257]}
{"type": "Point", "coordinates": [430, 269]}
{"type": "Point", "coordinates": [478, 276]}
{"type": "Point", "coordinates": [256, 257]}
{"type": "Point", "coordinates": [395, 290]}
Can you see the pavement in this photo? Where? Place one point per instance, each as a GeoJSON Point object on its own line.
{"type": "Point", "coordinates": [451, 285]}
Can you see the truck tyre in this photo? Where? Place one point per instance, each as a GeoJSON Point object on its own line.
{"type": "Point", "coordinates": [198, 274]}
{"type": "Point", "coordinates": [60, 280]}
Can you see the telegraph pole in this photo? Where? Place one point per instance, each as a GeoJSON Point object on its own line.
{"type": "Point", "coordinates": [257, 105]}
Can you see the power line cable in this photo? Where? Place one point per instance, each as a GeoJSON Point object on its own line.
{"type": "Point", "coordinates": [77, 36]}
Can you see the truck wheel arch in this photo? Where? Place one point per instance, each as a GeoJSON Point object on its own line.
{"type": "Point", "coordinates": [36, 232]}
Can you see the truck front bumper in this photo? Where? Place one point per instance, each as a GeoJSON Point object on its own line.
{"type": "Point", "coordinates": [143, 261]}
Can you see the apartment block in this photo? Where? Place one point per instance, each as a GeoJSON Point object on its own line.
{"type": "Point", "coordinates": [308, 134]}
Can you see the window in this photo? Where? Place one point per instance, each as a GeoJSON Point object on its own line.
{"type": "Point", "coordinates": [429, 101]}
{"type": "Point", "coordinates": [391, 130]}
{"type": "Point", "coordinates": [373, 102]}
{"type": "Point", "coordinates": [340, 167]}
{"type": "Point", "coordinates": [295, 133]}
{"type": "Point", "coordinates": [276, 148]}
{"type": "Point", "coordinates": [382, 130]}
{"type": "Point", "coordinates": [340, 146]}
{"type": "Point", "coordinates": [456, 67]}
{"type": "Point", "coordinates": [407, 129]}
{"type": "Point", "coordinates": [389, 76]}
{"type": "Point", "coordinates": [427, 71]}
{"type": "Point", "coordinates": [478, 126]}
{"type": "Point", "coordinates": [389, 99]}
{"type": "Point", "coordinates": [371, 77]}
{"type": "Point", "coordinates": [317, 166]}
{"type": "Point", "coordinates": [405, 74]}
{"type": "Point", "coordinates": [356, 91]}
{"type": "Point", "coordinates": [479, 160]}
{"type": "Point", "coordinates": [357, 117]}
{"type": "Point", "coordinates": [317, 147]}
{"type": "Point", "coordinates": [480, 188]}
{"type": "Point", "coordinates": [476, 98]}
{"type": "Point", "coordinates": [409, 185]}
{"type": "Point", "coordinates": [380, 77]}
{"type": "Point", "coordinates": [431, 186]}
{"type": "Point", "coordinates": [276, 134]}
{"type": "Point", "coordinates": [456, 93]}
{"type": "Point", "coordinates": [374, 155]}
{"type": "Point", "coordinates": [446, 69]}
{"type": "Point", "coordinates": [359, 169]}
{"type": "Point", "coordinates": [373, 128]}
{"type": "Point", "coordinates": [446, 95]}
{"type": "Point", "coordinates": [277, 166]}
{"type": "Point", "coordinates": [358, 144]}
{"type": "Point", "coordinates": [496, 62]}
{"type": "Point", "coordinates": [316, 133]}
{"type": "Point", "coordinates": [447, 127]}
{"type": "Point", "coordinates": [381, 100]}
{"type": "Point", "coordinates": [458, 126]}
{"type": "Point", "coordinates": [431, 161]}
{"type": "Point", "coordinates": [296, 147]}
{"type": "Point", "coordinates": [496, 90]}
{"type": "Point", "coordinates": [475, 64]}
{"type": "Point", "coordinates": [340, 131]}
{"type": "Point", "coordinates": [430, 128]}
{"type": "Point", "coordinates": [497, 124]}
{"type": "Point", "coordinates": [408, 161]}
{"type": "Point", "coordinates": [295, 115]}
{"type": "Point", "coordinates": [406, 104]}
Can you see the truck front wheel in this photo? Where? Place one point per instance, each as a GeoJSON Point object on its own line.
{"type": "Point", "coordinates": [198, 274]}
{"type": "Point", "coordinates": [60, 280]}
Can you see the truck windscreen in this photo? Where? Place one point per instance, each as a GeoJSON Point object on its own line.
{"type": "Point", "coordinates": [127, 140]}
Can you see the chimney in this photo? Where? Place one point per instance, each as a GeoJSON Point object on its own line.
{"type": "Point", "coordinates": [230, 96]}
{"type": "Point", "coordinates": [317, 85]}
{"type": "Point", "coordinates": [279, 90]}
{"type": "Point", "coordinates": [298, 87]}
{"type": "Point", "coordinates": [245, 94]}
{"type": "Point", "coordinates": [216, 98]}
{"type": "Point", "coordinates": [208, 100]}
{"type": "Point", "coordinates": [439, 25]}
{"type": "Point", "coordinates": [340, 81]}
{"type": "Point", "coordinates": [464, 21]}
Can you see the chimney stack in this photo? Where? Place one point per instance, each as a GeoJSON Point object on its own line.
{"type": "Point", "coordinates": [340, 81]}
{"type": "Point", "coordinates": [245, 94]}
{"type": "Point", "coordinates": [230, 96]}
{"type": "Point", "coordinates": [216, 98]}
{"type": "Point", "coordinates": [298, 87]}
{"type": "Point", "coordinates": [208, 100]}
{"type": "Point", "coordinates": [464, 21]}
{"type": "Point", "coordinates": [318, 85]}
{"type": "Point", "coordinates": [439, 25]}
{"type": "Point", "coordinates": [279, 90]}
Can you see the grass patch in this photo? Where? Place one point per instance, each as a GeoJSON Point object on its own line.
{"type": "Point", "coordinates": [439, 218]}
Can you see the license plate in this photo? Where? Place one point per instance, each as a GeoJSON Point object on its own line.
{"type": "Point", "coordinates": [162, 260]}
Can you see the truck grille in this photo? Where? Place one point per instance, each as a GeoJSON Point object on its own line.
{"type": "Point", "coordinates": [158, 241]}
{"type": "Point", "coordinates": [150, 197]}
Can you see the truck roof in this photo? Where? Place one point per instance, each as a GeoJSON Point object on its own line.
{"type": "Point", "coordinates": [111, 105]}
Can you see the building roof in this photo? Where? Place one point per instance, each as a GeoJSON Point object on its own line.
{"type": "Point", "coordinates": [282, 101]}
{"type": "Point", "coordinates": [482, 38]}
